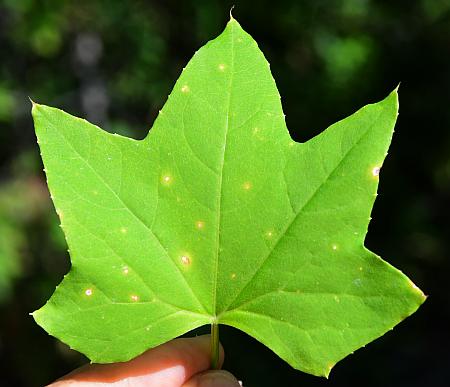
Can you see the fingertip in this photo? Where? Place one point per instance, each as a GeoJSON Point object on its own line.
{"type": "Point", "coordinates": [175, 362]}
{"type": "Point", "coordinates": [215, 378]}
{"type": "Point", "coordinates": [204, 342]}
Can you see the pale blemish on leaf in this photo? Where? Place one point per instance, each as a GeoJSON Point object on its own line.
{"type": "Point", "coordinates": [269, 234]}
{"type": "Point", "coordinates": [166, 179]}
{"type": "Point", "coordinates": [357, 282]}
{"type": "Point", "coordinates": [376, 171]}
{"type": "Point", "coordinates": [247, 185]}
{"type": "Point", "coordinates": [200, 224]}
{"type": "Point", "coordinates": [185, 259]}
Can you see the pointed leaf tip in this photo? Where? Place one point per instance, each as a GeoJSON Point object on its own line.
{"type": "Point", "coordinates": [231, 12]}
{"type": "Point", "coordinates": [232, 21]}
{"type": "Point", "coordinates": [32, 102]}
{"type": "Point", "coordinates": [35, 107]}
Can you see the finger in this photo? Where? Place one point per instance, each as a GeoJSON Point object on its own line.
{"type": "Point", "coordinates": [169, 365]}
{"type": "Point", "coordinates": [213, 379]}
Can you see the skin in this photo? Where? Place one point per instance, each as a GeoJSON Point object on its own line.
{"type": "Point", "coordinates": [178, 363]}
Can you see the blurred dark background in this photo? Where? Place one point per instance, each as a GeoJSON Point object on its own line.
{"type": "Point", "coordinates": [115, 62]}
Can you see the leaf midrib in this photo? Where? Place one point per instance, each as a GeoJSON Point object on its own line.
{"type": "Point", "coordinates": [221, 167]}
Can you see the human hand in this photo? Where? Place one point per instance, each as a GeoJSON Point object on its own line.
{"type": "Point", "coordinates": [178, 363]}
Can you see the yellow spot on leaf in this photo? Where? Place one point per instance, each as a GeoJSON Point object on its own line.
{"type": "Point", "coordinates": [269, 234]}
{"type": "Point", "coordinates": [375, 171]}
{"type": "Point", "coordinates": [185, 259]}
{"type": "Point", "coordinates": [247, 185]}
{"type": "Point", "coordinates": [166, 179]}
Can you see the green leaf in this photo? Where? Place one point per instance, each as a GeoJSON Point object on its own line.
{"type": "Point", "coordinates": [218, 217]}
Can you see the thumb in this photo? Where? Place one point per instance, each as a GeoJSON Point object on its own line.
{"type": "Point", "coordinates": [216, 378]}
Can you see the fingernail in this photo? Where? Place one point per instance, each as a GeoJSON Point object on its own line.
{"type": "Point", "coordinates": [218, 379]}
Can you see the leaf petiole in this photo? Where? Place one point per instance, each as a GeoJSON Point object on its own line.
{"type": "Point", "coordinates": [214, 346]}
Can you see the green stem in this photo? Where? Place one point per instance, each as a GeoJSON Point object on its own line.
{"type": "Point", "coordinates": [214, 346]}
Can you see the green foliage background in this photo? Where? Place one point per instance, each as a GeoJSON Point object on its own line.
{"type": "Point", "coordinates": [114, 63]}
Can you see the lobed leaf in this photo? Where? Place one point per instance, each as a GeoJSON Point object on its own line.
{"type": "Point", "coordinates": [218, 216]}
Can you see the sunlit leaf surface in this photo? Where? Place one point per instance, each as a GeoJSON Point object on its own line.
{"type": "Point", "coordinates": [218, 216]}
